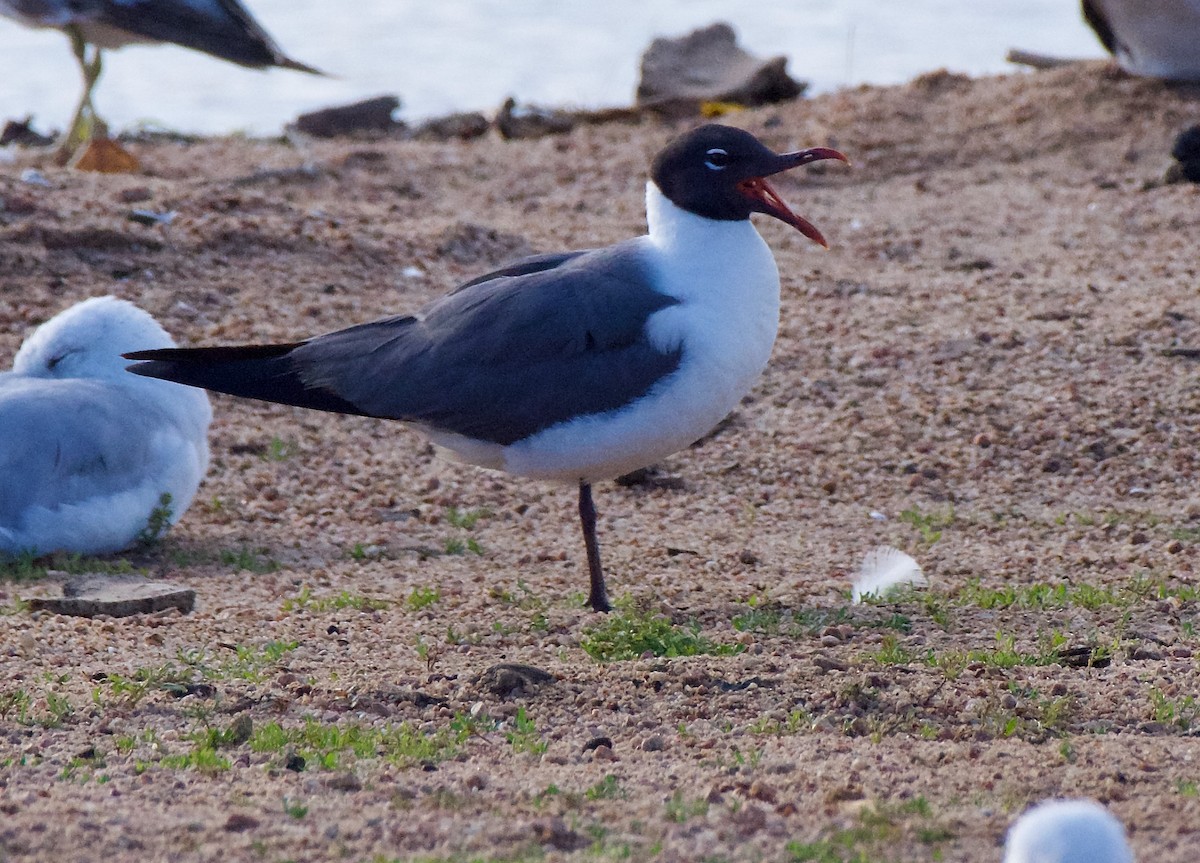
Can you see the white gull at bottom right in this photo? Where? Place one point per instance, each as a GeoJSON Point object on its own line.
{"type": "Point", "coordinates": [1067, 831]}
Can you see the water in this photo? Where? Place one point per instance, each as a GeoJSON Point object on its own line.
{"type": "Point", "coordinates": [449, 55]}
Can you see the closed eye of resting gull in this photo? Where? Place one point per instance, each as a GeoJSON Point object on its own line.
{"type": "Point", "coordinates": [87, 451]}
{"type": "Point", "coordinates": [1067, 831]}
{"type": "Point", "coordinates": [883, 570]}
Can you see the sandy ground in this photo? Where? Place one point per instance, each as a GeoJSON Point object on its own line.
{"type": "Point", "coordinates": [989, 369]}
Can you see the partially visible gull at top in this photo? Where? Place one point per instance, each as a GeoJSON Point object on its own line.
{"type": "Point", "coordinates": [87, 451]}
{"type": "Point", "coordinates": [1155, 38]}
{"type": "Point", "coordinates": [1067, 831]}
{"type": "Point", "coordinates": [222, 28]}
{"type": "Point", "coordinates": [572, 367]}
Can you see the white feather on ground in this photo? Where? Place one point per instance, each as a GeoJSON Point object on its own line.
{"type": "Point", "coordinates": [1067, 831]}
{"type": "Point", "coordinates": [87, 449]}
{"type": "Point", "coordinates": [883, 570]}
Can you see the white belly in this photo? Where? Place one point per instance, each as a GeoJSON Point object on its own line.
{"type": "Point", "coordinates": [727, 286]}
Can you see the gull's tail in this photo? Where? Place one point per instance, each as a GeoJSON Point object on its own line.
{"type": "Point", "coordinates": [264, 372]}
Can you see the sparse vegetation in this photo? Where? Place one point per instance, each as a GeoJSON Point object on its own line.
{"type": "Point", "coordinates": [928, 525]}
{"type": "Point", "coordinates": [873, 839]}
{"type": "Point", "coordinates": [304, 600]}
{"type": "Point", "coordinates": [256, 560]}
{"type": "Point", "coordinates": [628, 633]}
{"type": "Point", "coordinates": [159, 521]}
{"type": "Point", "coordinates": [281, 450]}
{"type": "Point", "coordinates": [31, 567]}
{"type": "Point", "coordinates": [329, 745]}
{"type": "Point", "coordinates": [524, 736]}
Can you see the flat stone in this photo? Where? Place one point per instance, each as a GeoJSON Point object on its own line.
{"type": "Point", "coordinates": [707, 65]}
{"type": "Point", "coordinates": [116, 596]}
{"type": "Point", "coordinates": [507, 679]}
{"type": "Point", "coordinates": [369, 115]}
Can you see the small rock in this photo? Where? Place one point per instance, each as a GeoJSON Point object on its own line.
{"type": "Point", "coordinates": [461, 127]}
{"type": "Point", "coordinates": [654, 743]}
{"type": "Point", "coordinates": [369, 115]}
{"type": "Point", "coordinates": [603, 753]}
{"type": "Point", "coordinates": [826, 663]}
{"type": "Point", "coordinates": [507, 679]}
{"type": "Point", "coordinates": [1187, 155]}
{"type": "Point", "coordinates": [239, 731]}
{"type": "Point", "coordinates": [344, 781]}
{"type": "Point", "coordinates": [555, 833]}
{"type": "Point", "coordinates": [760, 790]}
{"type": "Point", "coordinates": [240, 823]}
{"type": "Point", "coordinates": [749, 820]}
{"type": "Point", "coordinates": [22, 132]}
{"type": "Point", "coordinates": [134, 195]}
{"type": "Point", "coordinates": [707, 65]}
{"type": "Point", "coordinates": [528, 121]}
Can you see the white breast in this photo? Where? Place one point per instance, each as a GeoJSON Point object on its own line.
{"type": "Point", "coordinates": [727, 286]}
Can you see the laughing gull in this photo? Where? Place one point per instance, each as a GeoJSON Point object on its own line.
{"type": "Point", "coordinates": [222, 28]}
{"type": "Point", "coordinates": [578, 366]}
{"type": "Point", "coordinates": [1155, 38]}
{"type": "Point", "coordinates": [1067, 831]}
{"type": "Point", "coordinates": [87, 452]}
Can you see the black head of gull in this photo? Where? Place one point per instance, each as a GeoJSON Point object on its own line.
{"type": "Point", "coordinates": [221, 28]}
{"type": "Point", "coordinates": [719, 172]}
{"type": "Point", "coordinates": [573, 366]}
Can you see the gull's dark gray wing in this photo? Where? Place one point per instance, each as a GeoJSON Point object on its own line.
{"type": "Point", "coordinates": [536, 343]}
{"type": "Point", "coordinates": [222, 28]}
{"type": "Point", "coordinates": [1098, 21]}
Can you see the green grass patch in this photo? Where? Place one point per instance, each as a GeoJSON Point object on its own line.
{"type": "Point", "coordinates": [422, 597]}
{"type": "Point", "coordinates": [524, 736]}
{"type": "Point", "coordinates": [928, 524]}
{"type": "Point", "coordinates": [49, 710]}
{"type": "Point", "coordinates": [281, 450]}
{"type": "Point", "coordinates": [628, 633]}
{"type": "Point", "coordinates": [31, 567]}
{"type": "Point", "coordinates": [1179, 713]}
{"type": "Point", "coordinates": [329, 745]}
{"type": "Point", "coordinates": [873, 840]}
{"type": "Point", "coordinates": [608, 788]}
{"type": "Point", "coordinates": [256, 560]}
{"type": "Point", "coordinates": [681, 809]}
{"type": "Point", "coordinates": [304, 600]}
{"type": "Point", "coordinates": [158, 523]}
{"type": "Point", "coordinates": [126, 692]}
{"type": "Point", "coordinates": [249, 662]}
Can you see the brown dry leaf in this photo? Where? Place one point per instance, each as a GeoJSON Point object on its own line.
{"type": "Point", "coordinates": [106, 156]}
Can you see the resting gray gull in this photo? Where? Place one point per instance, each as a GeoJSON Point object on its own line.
{"type": "Point", "coordinates": [87, 451]}
{"type": "Point", "coordinates": [574, 367]}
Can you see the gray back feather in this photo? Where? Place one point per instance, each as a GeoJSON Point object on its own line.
{"type": "Point", "coordinates": [507, 355]}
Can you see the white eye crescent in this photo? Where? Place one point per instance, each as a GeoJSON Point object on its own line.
{"type": "Point", "coordinates": [716, 159]}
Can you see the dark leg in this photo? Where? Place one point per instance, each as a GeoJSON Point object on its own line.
{"type": "Point", "coordinates": [598, 599]}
